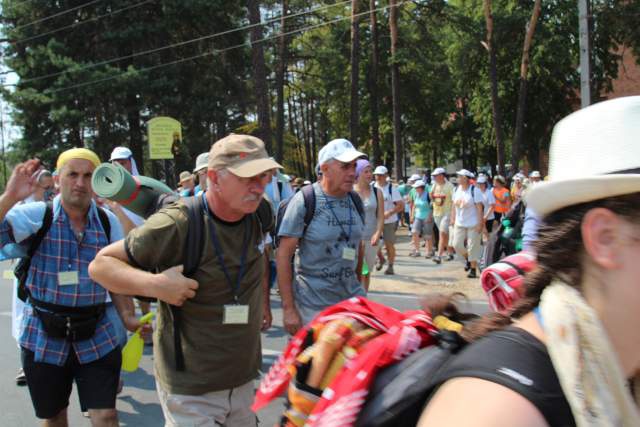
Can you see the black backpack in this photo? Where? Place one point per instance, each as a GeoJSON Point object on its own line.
{"type": "Point", "coordinates": [309, 196]}
{"type": "Point", "coordinates": [194, 246]}
{"type": "Point", "coordinates": [21, 271]}
{"type": "Point", "coordinates": [400, 392]}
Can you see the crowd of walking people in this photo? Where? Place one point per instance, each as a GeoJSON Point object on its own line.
{"type": "Point", "coordinates": [241, 227]}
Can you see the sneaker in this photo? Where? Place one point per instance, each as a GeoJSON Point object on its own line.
{"type": "Point", "coordinates": [389, 270]}
{"type": "Point", "coordinates": [379, 264]}
{"type": "Point", "coordinates": [467, 266]}
{"type": "Point", "coordinates": [414, 254]}
{"type": "Point", "coordinates": [86, 414]}
{"type": "Point", "coordinates": [472, 273]}
{"type": "Point", "coordinates": [430, 255]}
{"type": "Point", "coordinates": [21, 378]}
{"type": "Point", "coordinates": [437, 259]}
{"type": "Point", "coordinates": [450, 257]}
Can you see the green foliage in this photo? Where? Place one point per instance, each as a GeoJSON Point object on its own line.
{"type": "Point", "coordinates": [445, 97]}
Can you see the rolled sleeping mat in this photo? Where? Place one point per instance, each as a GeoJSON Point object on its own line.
{"type": "Point", "coordinates": [136, 193]}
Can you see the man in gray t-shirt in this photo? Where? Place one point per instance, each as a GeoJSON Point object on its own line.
{"type": "Point", "coordinates": [329, 250]}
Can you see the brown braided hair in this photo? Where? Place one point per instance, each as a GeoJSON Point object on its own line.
{"type": "Point", "coordinates": [559, 252]}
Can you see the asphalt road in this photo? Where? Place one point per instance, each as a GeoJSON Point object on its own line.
{"type": "Point", "coordinates": [137, 404]}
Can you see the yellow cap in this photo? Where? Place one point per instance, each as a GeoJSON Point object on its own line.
{"type": "Point", "coordinates": [77, 153]}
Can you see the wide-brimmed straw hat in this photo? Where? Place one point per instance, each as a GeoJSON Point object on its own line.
{"type": "Point", "coordinates": [594, 154]}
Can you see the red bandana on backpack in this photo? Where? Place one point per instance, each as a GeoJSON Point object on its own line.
{"type": "Point", "coordinates": [502, 281]}
{"type": "Point", "coordinates": [341, 401]}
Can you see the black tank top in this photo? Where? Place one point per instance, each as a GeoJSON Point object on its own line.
{"type": "Point", "coordinates": [514, 358]}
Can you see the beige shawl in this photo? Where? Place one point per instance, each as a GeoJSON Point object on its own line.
{"type": "Point", "coordinates": [583, 357]}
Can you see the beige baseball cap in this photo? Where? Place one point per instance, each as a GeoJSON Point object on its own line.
{"type": "Point", "coordinates": [243, 155]}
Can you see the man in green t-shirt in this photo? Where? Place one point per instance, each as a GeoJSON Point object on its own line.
{"type": "Point", "coordinates": [224, 304]}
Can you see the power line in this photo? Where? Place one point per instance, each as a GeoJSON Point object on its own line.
{"type": "Point", "coordinates": [218, 51]}
{"type": "Point", "coordinates": [64, 12]}
{"type": "Point", "coordinates": [77, 24]}
{"type": "Point", "coordinates": [183, 43]}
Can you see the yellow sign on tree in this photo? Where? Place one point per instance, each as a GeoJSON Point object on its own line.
{"type": "Point", "coordinates": [165, 137]}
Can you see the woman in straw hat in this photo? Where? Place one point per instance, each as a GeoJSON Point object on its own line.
{"type": "Point", "coordinates": [569, 351]}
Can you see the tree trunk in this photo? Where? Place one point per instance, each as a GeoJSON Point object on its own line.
{"type": "Point", "coordinates": [297, 159]}
{"type": "Point", "coordinates": [355, 68]}
{"type": "Point", "coordinates": [516, 150]}
{"type": "Point", "coordinates": [307, 138]}
{"type": "Point", "coordinates": [135, 131]}
{"type": "Point", "coordinates": [395, 90]}
{"type": "Point", "coordinates": [493, 77]}
{"type": "Point", "coordinates": [373, 86]}
{"type": "Point", "coordinates": [260, 75]}
{"type": "Point", "coordinates": [280, 75]}
{"type": "Point", "coordinates": [464, 136]}
{"type": "Point", "coordinates": [312, 123]}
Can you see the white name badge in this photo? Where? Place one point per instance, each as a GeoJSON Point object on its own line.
{"type": "Point", "coordinates": [8, 274]}
{"type": "Point", "coordinates": [67, 278]}
{"type": "Point", "coordinates": [235, 314]}
{"type": "Point", "coordinates": [349, 254]}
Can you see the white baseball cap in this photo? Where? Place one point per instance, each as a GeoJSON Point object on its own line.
{"type": "Point", "coordinates": [414, 177]}
{"type": "Point", "coordinates": [340, 150]}
{"type": "Point", "coordinates": [419, 183]}
{"type": "Point", "coordinates": [120, 153]}
{"type": "Point", "coordinates": [482, 179]}
{"type": "Point", "coordinates": [535, 174]}
{"type": "Point", "coordinates": [438, 171]}
{"type": "Point", "coordinates": [381, 170]}
{"type": "Point", "coordinates": [464, 172]}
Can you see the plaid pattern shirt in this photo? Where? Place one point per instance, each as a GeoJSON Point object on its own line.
{"type": "Point", "coordinates": [60, 251]}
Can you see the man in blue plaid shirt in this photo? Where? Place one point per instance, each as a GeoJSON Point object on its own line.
{"type": "Point", "coordinates": [59, 288]}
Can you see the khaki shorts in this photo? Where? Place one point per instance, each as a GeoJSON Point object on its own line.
{"type": "Point", "coordinates": [231, 408]}
{"type": "Point", "coordinates": [442, 222]}
{"type": "Point", "coordinates": [473, 249]}
{"type": "Point", "coordinates": [389, 233]}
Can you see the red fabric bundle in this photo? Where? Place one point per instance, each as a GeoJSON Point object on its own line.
{"type": "Point", "coordinates": [503, 280]}
{"type": "Point", "coordinates": [343, 398]}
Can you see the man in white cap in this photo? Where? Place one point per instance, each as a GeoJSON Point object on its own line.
{"type": "Point", "coordinates": [225, 303]}
{"type": "Point", "coordinates": [535, 177]}
{"type": "Point", "coordinates": [393, 205]}
{"type": "Point", "coordinates": [201, 172]}
{"type": "Point", "coordinates": [467, 218]}
{"type": "Point", "coordinates": [329, 249]}
{"type": "Point", "coordinates": [442, 196]}
{"type": "Point", "coordinates": [129, 220]}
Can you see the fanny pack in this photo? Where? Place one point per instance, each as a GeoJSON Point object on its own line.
{"type": "Point", "coordinates": [69, 323]}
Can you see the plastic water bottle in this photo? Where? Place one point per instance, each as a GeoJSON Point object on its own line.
{"type": "Point", "coordinates": [365, 268]}
{"type": "Point", "coordinates": [507, 233]}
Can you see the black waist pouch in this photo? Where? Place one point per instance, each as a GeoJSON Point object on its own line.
{"type": "Point", "coordinates": [70, 323]}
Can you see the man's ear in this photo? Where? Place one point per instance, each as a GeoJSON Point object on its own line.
{"type": "Point", "coordinates": [602, 236]}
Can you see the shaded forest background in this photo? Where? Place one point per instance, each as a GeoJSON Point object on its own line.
{"type": "Point", "coordinates": [433, 81]}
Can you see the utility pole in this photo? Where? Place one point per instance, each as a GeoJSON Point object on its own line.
{"type": "Point", "coordinates": [584, 12]}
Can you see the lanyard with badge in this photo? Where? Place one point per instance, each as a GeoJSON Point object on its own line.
{"type": "Point", "coordinates": [347, 253]}
{"type": "Point", "coordinates": [236, 313]}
